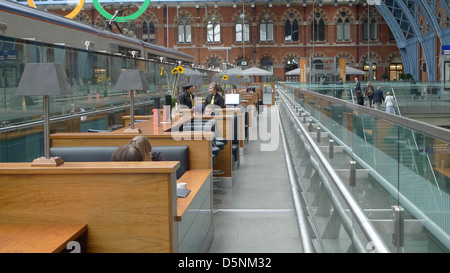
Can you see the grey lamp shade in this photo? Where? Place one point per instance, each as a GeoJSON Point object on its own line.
{"type": "Point", "coordinates": [234, 80]}
{"type": "Point", "coordinates": [196, 80]}
{"type": "Point", "coordinates": [43, 79]}
{"type": "Point", "coordinates": [132, 80]}
{"type": "Point", "coordinates": [182, 81]}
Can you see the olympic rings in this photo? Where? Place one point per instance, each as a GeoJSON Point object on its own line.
{"type": "Point", "coordinates": [70, 15]}
{"type": "Point", "coordinates": [101, 10]}
{"type": "Point", "coordinates": [121, 18]}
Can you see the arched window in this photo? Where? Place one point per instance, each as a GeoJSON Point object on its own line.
{"type": "Point", "coordinates": [242, 29]}
{"type": "Point", "coordinates": [266, 29]}
{"type": "Point", "coordinates": [367, 70]}
{"type": "Point", "coordinates": [291, 29]}
{"type": "Point", "coordinates": [213, 63]}
{"type": "Point", "coordinates": [129, 28]}
{"type": "Point", "coordinates": [148, 32]}
{"type": "Point", "coordinates": [184, 30]}
{"type": "Point", "coordinates": [318, 28]}
{"type": "Point", "coordinates": [395, 69]}
{"type": "Point", "coordinates": [242, 62]}
{"type": "Point", "coordinates": [343, 27]}
{"type": "Point", "coordinates": [213, 30]}
{"type": "Point", "coordinates": [318, 65]}
{"type": "Point", "coordinates": [369, 31]}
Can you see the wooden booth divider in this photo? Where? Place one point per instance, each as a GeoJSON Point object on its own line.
{"type": "Point", "coordinates": [127, 206]}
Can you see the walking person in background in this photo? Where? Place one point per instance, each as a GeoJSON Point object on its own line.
{"type": "Point", "coordinates": [357, 86]}
{"type": "Point", "coordinates": [360, 98]}
{"type": "Point", "coordinates": [339, 88]}
{"type": "Point", "coordinates": [378, 98]}
{"type": "Point", "coordinates": [369, 93]}
{"type": "Point", "coordinates": [389, 103]}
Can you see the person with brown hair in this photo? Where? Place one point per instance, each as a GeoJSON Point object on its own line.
{"type": "Point", "coordinates": [369, 93]}
{"type": "Point", "coordinates": [145, 148]}
{"type": "Point", "coordinates": [126, 153]}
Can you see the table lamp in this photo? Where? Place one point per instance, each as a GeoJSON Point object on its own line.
{"type": "Point", "coordinates": [44, 79]}
{"type": "Point", "coordinates": [196, 80]}
{"type": "Point", "coordinates": [132, 80]}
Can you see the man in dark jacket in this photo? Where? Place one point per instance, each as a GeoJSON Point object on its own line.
{"type": "Point", "coordinates": [360, 98]}
{"type": "Point", "coordinates": [378, 98]}
{"type": "Point", "coordinates": [357, 86]}
{"type": "Point", "coordinates": [188, 96]}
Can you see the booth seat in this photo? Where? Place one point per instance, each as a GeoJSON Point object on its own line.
{"type": "Point", "coordinates": [104, 154]}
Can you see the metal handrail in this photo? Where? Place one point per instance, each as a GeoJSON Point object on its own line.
{"type": "Point", "coordinates": [357, 212]}
{"type": "Point", "coordinates": [302, 220]}
{"type": "Point", "coordinates": [396, 101]}
{"type": "Point", "coordinates": [403, 200]}
{"type": "Point", "coordinates": [353, 97]}
{"type": "Point", "coordinates": [422, 127]}
{"type": "Point", "coordinates": [69, 117]}
{"type": "Point", "coordinates": [417, 147]}
{"type": "Point", "coordinates": [431, 130]}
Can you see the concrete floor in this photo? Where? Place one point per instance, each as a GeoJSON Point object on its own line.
{"type": "Point", "coordinates": [256, 215]}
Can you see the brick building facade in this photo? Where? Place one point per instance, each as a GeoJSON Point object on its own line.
{"type": "Point", "coordinates": [271, 36]}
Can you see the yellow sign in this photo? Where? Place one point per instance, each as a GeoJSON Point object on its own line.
{"type": "Point", "coordinates": [303, 67]}
{"type": "Point", "coordinates": [343, 68]}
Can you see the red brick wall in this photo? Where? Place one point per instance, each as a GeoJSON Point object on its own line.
{"type": "Point", "coordinates": [355, 49]}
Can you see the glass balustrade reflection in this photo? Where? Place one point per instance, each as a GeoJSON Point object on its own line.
{"type": "Point", "coordinates": [395, 165]}
{"type": "Point", "coordinates": [92, 76]}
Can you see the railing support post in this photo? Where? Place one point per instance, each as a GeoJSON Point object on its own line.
{"type": "Point", "coordinates": [352, 179]}
{"type": "Point", "coordinates": [331, 149]}
{"type": "Point", "coordinates": [399, 226]}
{"type": "Point", "coordinates": [318, 134]}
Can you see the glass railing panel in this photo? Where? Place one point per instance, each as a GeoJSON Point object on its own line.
{"type": "Point", "coordinates": [338, 230]}
{"type": "Point", "coordinates": [407, 93]}
{"type": "Point", "coordinates": [23, 145]}
{"type": "Point", "coordinates": [92, 76]}
{"type": "Point", "coordinates": [394, 166]}
{"type": "Point", "coordinates": [423, 182]}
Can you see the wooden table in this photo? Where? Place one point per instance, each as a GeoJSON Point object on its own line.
{"type": "Point", "coordinates": [40, 238]}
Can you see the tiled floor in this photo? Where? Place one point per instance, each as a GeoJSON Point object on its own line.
{"type": "Point", "coordinates": [257, 214]}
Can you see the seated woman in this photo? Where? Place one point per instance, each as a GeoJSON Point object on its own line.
{"type": "Point", "coordinates": [126, 153]}
{"type": "Point", "coordinates": [145, 148]}
{"type": "Point", "coordinates": [214, 97]}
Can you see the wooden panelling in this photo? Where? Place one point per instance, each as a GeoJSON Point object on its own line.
{"type": "Point", "coordinates": [195, 180]}
{"type": "Point", "coordinates": [128, 206]}
{"type": "Point", "coordinates": [199, 146]}
{"type": "Point", "coordinates": [39, 238]}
